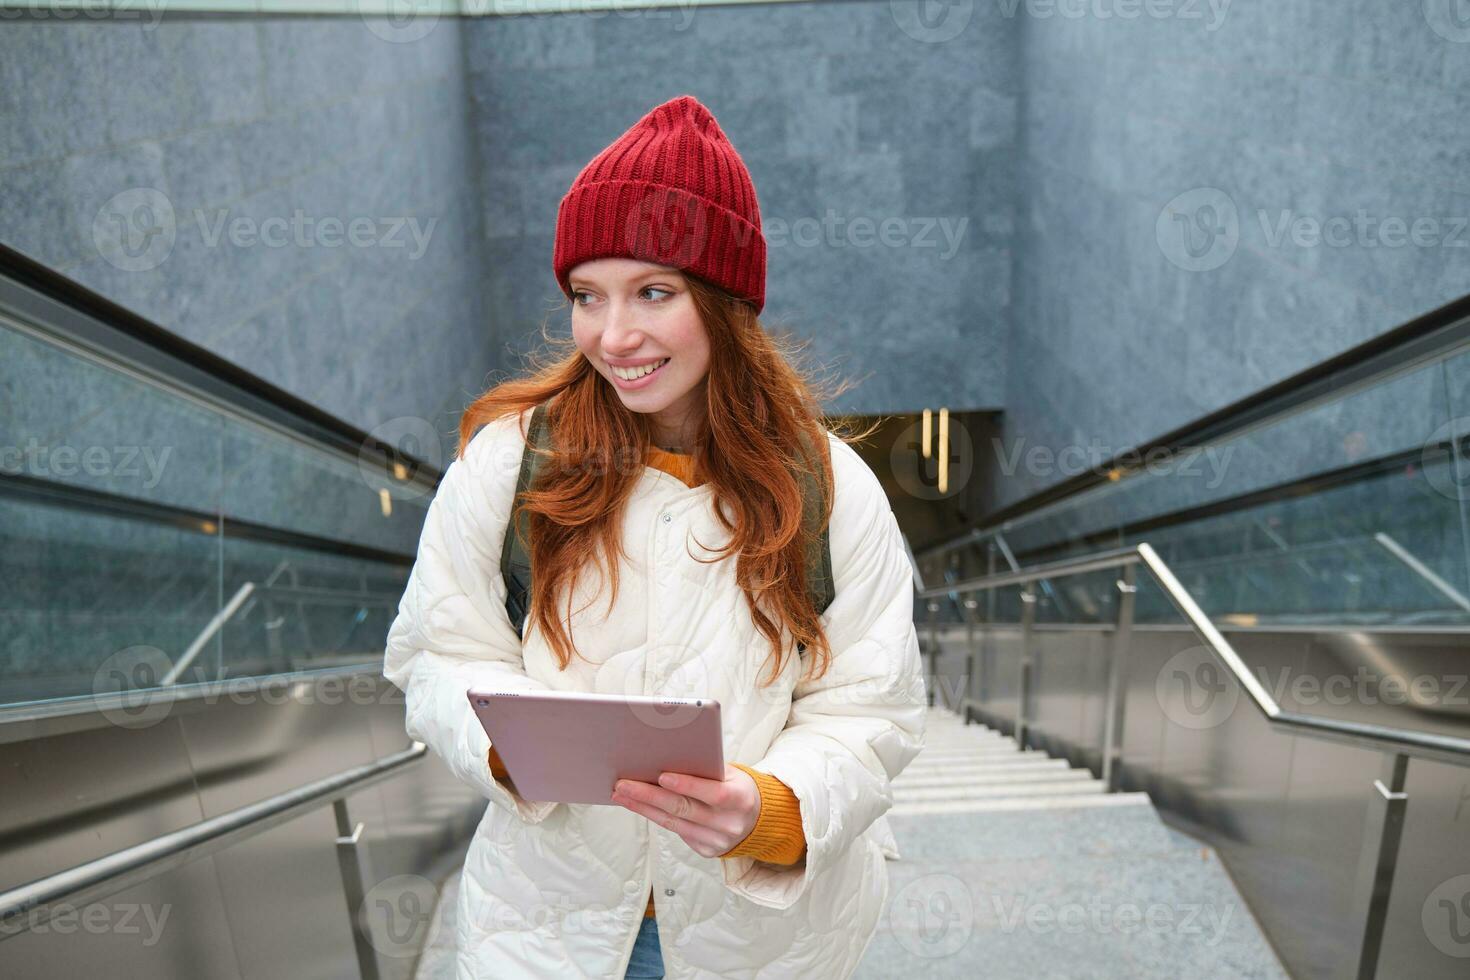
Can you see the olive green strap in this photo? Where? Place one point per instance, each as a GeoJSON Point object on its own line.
{"type": "Point", "coordinates": [819, 550]}
{"type": "Point", "coordinates": [515, 556]}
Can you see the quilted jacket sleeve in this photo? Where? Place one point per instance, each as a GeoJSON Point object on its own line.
{"type": "Point", "coordinates": [851, 731]}
{"type": "Point", "coordinates": [452, 631]}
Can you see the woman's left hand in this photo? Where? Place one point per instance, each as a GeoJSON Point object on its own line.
{"type": "Point", "coordinates": [711, 815]}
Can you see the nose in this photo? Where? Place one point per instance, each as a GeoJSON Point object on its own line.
{"type": "Point", "coordinates": [621, 335]}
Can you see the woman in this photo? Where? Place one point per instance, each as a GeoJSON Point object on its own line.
{"type": "Point", "coordinates": [698, 591]}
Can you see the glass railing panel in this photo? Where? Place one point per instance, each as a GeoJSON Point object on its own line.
{"type": "Point", "coordinates": [151, 535]}
{"type": "Point", "coordinates": [1351, 508]}
{"type": "Point", "coordinates": [1089, 598]}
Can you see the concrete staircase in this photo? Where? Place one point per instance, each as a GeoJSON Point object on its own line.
{"type": "Point", "coordinates": [1014, 866]}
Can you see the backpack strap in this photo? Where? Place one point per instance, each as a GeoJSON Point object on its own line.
{"type": "Point", "coordinates": [819, 551]}
{"type": "Point", "coordinates": [515, 555]}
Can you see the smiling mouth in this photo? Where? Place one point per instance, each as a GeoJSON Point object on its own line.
{"type": "Point", "coordinates": [639, 373]}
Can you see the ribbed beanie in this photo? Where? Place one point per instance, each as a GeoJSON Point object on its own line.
{"type": "Point", "coordinates": [670, 190]}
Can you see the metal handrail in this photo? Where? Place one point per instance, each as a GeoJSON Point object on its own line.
{"type": "Point", "coordinates": [1445, 748]}
{"type": "Point", "coordinates": [1417, 566]}
{"type": "Point", "coordinates": [35, 903]}
{"type": "Point", "coordinates": [35, 719]}
{"type": "Point", "coordinates": [1388, 802]}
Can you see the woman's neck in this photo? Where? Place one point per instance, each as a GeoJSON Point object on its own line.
{"type": "Point", "coordinates": [675, 429]}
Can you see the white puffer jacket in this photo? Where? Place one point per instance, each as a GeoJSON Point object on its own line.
{"type": "Point", "coordinates": [559, 890]}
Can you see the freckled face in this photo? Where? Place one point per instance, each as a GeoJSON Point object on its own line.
{"type": "Point", "coordinates": [629, 315]}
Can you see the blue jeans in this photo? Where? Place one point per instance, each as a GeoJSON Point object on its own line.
{"type": "Point", "coordinates": [647, 962]}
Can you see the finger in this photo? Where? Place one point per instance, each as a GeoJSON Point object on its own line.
{"type": "Point", "coordinates": [676, 803]}
{"type": "Point", "coordinates": [714, 792]}
{"type": "Point", "coordinates": [705, 840]}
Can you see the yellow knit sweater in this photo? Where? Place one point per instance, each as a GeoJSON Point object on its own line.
{"type": "Point", "coordinates": [777, 836]}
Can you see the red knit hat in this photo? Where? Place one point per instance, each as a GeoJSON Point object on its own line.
{"type": "Point", "coordinates": [671, 190]}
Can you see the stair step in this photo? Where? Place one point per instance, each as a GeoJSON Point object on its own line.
{"type": "Point", "coordinates": [1069, 787]}
{"type": "Point", "coordinates": [1018, 803]}
{"type": "Point", "coordinates": [978, 750]}
{"type": "Point", "coordinates": [920, 768]}
{"type": "Point", "coordinates": [967, 745]}
{"type": "Point", "coordinates": [1004, 777]}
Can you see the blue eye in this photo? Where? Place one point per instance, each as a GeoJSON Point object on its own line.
{"type": "Point", "coordinates": [577, 294]}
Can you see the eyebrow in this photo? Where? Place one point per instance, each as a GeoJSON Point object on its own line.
{"type": "Point", "coordinates": [651, 274]}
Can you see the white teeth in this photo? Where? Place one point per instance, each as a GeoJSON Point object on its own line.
{"type": "Point", "coordinates": [633, 374]}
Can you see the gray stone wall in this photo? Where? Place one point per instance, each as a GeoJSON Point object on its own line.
{"type": "Point", "coordinates": [884, 163]}
{"type": "Point", "coordinates": [1253, 116]}
{"type": "Point", "coordinates": [298, 194]}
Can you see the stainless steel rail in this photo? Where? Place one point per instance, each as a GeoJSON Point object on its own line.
{"type": "Point", "coordinates": [34, 904]}
{"type": "Point", "coordinates": [1388, 800]}
{"type": "Point", "coordinates": [40, 719]}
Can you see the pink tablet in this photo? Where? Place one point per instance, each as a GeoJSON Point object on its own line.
{"type": "Point", "coordinates": [571, 747]}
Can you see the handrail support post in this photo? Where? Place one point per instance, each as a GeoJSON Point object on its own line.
{"type": "Point", "coordinates": [962, 703]}
{"type": "Point", "coordinates": [1028, 622]}
{"type": "Point", "coordinates": [349, 861]}
{"type": "Point", "coordinates": [1118, 680]}
{"type": "Point", "coordinates": [933, 652]}
{"type": "Point", "coordinates": [1382, 833]}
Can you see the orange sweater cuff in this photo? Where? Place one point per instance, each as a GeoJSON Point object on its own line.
{"type": "Point", "coordinates": [777, 837]}
{"type": "Point", "coordinates": [497, 768]}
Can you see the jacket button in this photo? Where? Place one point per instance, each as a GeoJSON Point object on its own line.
{"type": "Point", "coordinates": [669, 892]}
{"type": "Point", "coordinates": [668, 517]}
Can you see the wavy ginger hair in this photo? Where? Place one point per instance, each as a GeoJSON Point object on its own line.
{"type": "Point", "coordinates": [758, 404]}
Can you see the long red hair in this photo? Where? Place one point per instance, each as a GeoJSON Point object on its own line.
{"type": "Point", "coordinates": [759, 403]}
